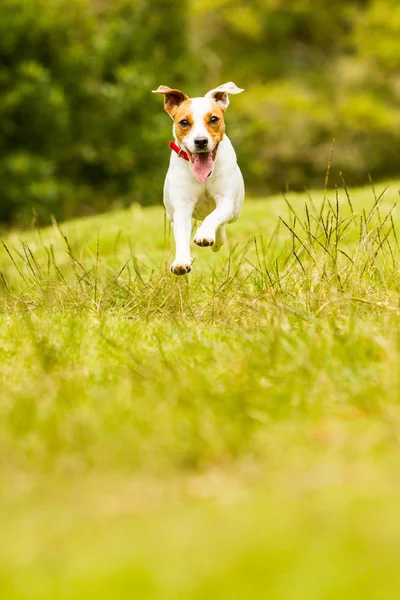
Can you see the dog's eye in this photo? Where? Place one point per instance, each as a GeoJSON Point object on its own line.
{"type": "Point", "coordinates": [184, 123]}
{"type": "Point", "coordinates": [214, 120]}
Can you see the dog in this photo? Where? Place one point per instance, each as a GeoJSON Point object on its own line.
{"type": "Point", "coordinates": [203, 180]}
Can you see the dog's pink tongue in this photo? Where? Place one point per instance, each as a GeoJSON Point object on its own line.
{"type": "Point", "coordinates": [203, 164]}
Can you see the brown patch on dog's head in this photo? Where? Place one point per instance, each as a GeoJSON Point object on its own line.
{"type": "Point", "coordinates": [214, 121]}
{"type": "Point", "coordinates": [183, 119]}
{"type": "Point", "coordinates": [172, 98]}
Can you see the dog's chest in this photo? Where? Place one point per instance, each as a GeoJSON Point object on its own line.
{"type": "Point", "coordinates": [204, 206]}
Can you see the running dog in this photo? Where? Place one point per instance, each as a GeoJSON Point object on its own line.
{"type": "Point", "coordinates": [203, 180]}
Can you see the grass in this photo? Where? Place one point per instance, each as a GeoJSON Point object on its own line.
{"type": "Point", "coordinates": [231, 434]}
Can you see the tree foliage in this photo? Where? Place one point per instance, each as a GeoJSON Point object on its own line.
{"type": "Point", "coordinates": [80, 131]}
{"type": "Point", "coordinates": [311, 75]}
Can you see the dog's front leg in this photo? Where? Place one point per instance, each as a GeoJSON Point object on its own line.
{"type": "Point", "coordinates": [182, 225]}
{"type": "Point", "coordinates": [207, 232]}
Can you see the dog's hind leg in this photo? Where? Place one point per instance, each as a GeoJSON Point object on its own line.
{"type": "Point", "coordinates": [220, 239]}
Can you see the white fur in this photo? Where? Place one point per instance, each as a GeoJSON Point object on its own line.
{"type": "Point", "coordinates": [216, 202]}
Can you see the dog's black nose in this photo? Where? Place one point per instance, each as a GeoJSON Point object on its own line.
{"type": "Point", "coordinates": [201, 143]}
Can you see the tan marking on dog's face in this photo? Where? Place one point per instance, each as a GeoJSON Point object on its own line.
{"type": "Point", "coordinates": [182, 115]}
{"type": "Point", "coordinates": [214, 122]}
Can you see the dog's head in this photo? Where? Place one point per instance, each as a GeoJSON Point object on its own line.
{"type": "Point", "coordinates": [199, 123]}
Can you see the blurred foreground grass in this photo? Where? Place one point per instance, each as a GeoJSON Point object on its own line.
{"type": "Point", "coordinates": [233, 434]}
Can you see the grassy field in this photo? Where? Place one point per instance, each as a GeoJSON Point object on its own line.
{"type": "Point", "coordinates": [232, 434]}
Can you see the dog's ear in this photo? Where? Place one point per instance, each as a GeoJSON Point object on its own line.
{"type": "Point", "coordinates": [220, 94]}
{"type": "Point", "coordinates": [172, 98]}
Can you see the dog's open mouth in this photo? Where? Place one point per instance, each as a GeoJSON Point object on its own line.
{"type": "Point", "coordinates": [203, 163]}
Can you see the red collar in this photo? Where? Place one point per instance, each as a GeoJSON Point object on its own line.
{"type": "Point", "coordinates": [179, 151]}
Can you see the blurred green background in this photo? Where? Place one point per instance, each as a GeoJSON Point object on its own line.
{"type": "Point", "coordinates": [80, 131]}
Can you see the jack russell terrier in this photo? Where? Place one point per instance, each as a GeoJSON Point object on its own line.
{"type": "Point", "coordinates": [203, 180]}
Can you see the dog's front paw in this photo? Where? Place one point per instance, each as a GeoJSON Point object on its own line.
{"type": "Point", "coordinates": [178, 268]}
{"type": "Point", "coordinates": [206, 239]}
